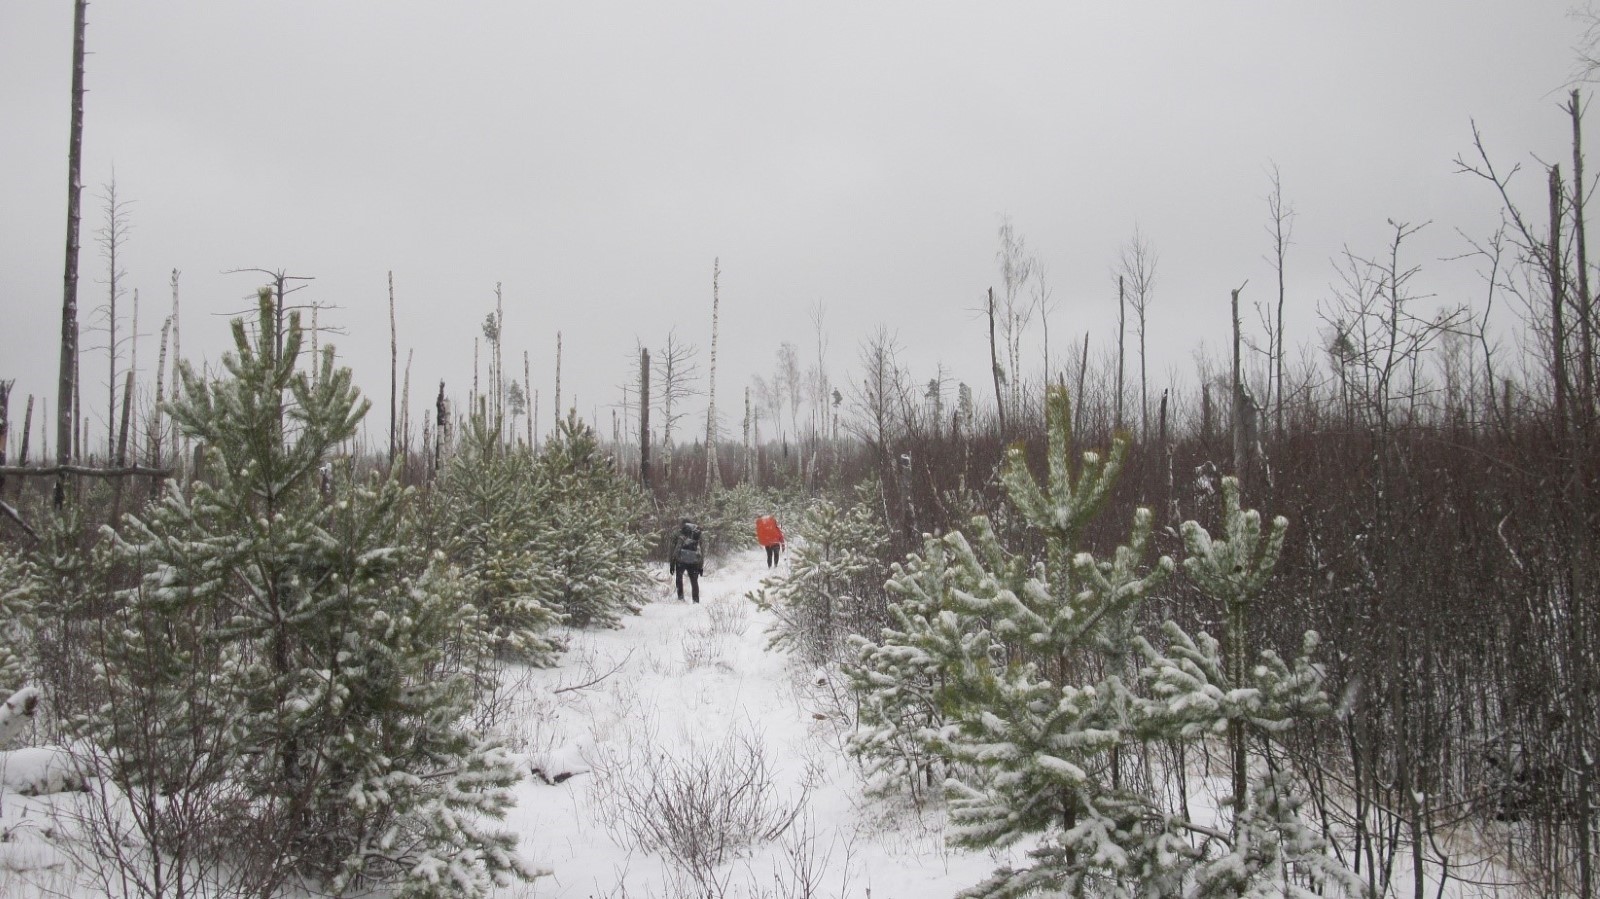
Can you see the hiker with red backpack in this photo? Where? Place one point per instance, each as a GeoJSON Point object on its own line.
{"type": "Point", "coordinates": [770, 536]}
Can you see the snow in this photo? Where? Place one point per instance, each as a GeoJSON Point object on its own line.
{"type": "Point", "coordinates": [686, 682]}
{"type": "Point", "coordinates": [39, 771]}
{"type": "Point", "coordinates": [16, 713]}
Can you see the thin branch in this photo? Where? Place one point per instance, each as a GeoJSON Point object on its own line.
{"type": "Point", "coordinates": [85, 471]}
{"type": "Point", "coordinates": [11, 513]}
{"type": "Point", "coordinates": [587, 684]}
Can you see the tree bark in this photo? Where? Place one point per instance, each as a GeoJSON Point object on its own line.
{"type": "Point", "coordinates": [5, 429]}
{"type": "Point", "coordinates": [713, 474]}
{"type": "Point", "coordinates": [644, 418]}
{"type": "Point", "coordinates": [1122, 331]}
{"type": "Point", "coordinates": [87, 471]}
{"type": "Point", "coordinates": [177, 455]}
{"type": "Point", "coordinates": [1558, 334]}
{"type": "Point", "coordinates": [394, 372]}
{"type": "Point", "coordinates": [67, 385]}
{"type": "Point", "coordinates": [27, 431]}
{"type": "Point", "coordinates": [1241, 449]}
{"type": "Point", "coordinates": [1083, 371]}
{"type": "Point", "coordinates": [122, 443]}
{"type": "Point", "coordinates": [994, 366]}
{"type": "Point", "coordinates": [441, 421]}
{"type": "Point", "coordinates": [405, 412]}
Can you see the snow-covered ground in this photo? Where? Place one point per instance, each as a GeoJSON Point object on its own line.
{"type": "Point", "coordinates": [693, 701]}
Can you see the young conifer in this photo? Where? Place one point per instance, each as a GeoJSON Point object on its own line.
{"type": "Point", "coordinates": [331, 708]}
{"type": "Point", "coordinates": [1026, 680]}
{"type": "Point", "coordinates": [588, 553]}
{"type": "Point", "coordinates": [489, 501]}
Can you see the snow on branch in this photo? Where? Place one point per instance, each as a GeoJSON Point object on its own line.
{"type": "Point", "coordinates": [17, 713]}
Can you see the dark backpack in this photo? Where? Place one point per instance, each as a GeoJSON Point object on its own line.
{"type": "Point", "coordinates": [689, 547]}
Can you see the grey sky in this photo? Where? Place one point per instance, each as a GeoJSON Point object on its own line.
{"type": "Point", "coordinates": [594, 157]}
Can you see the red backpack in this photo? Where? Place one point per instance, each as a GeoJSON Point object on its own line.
{"type": "Point", "coordinates": [767, 531]}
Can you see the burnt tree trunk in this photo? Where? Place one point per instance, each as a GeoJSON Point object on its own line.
{"type": "Point", "coordinates": [994, 367]}
{"type": "Point", "coordinates": [1241, 448]}
{"type": "Point", "coordinates": [5, 429]}
{"type": "Point", "coordinates": [1586, 385]}
{"type": "Point", "coordinates": [122, 444]}
{"type": "Point", "coordinates": [644, 418]}
{"type": "Point", "coordinates": [67, 385]}
{"type": "Point", "coordinates": [394, 374]}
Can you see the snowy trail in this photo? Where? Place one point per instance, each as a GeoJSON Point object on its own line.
{"type": "Point", "coordinates": [680, 681]}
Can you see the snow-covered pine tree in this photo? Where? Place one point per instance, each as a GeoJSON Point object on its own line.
{"type": "Point", "coordinates": [1027, 679]}
{"type": "Point", "coordinates": [17, 605]}
{"type": "Point", "coordinates": [1198, 690]}
{"type": "Point", "coordinates": [1032, 664]}
{"type": "Point", "coordinates": [900, 679]}
{"type": "Point", "coordinates": [488, 522]}
{"type": "Point", "coordinates": [282, 583]}
{"type": "Point", "coordinates": [835, 579]}
{"type": "Point", "coordinates": [589, 557]}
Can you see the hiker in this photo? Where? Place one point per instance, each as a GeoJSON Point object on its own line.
{"type": "Point", "coordinates": [685, 556]}
{"type": "Point", "coordinates": [770, 536]}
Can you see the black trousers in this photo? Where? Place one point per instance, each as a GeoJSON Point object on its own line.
{"type": "Point", "coordinates": [694, 580]}
{"type": "Point", "coordinates": [772, 554]}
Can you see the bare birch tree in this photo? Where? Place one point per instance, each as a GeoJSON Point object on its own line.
{"type": "Point", "coordinates": [1137, 270]}
{"type": "Point", "coordinates": [1017, 268]}
{"type": "Point", "coordinates": [1280, 227]}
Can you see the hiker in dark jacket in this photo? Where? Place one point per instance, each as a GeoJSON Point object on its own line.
{"type": "Point", "coordinates": [685, 556]}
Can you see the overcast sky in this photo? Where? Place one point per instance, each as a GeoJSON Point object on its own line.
{"type": "Point", "coordinates": [595, 157]}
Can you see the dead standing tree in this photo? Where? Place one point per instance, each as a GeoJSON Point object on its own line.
{"type": "Point", "coordinates": [644, 418]}
{"type": "Point", "coordinates": [1280, 227]}
{"type": "Point", "coordinates": [713, 475]}
{"type": "Point", "coordinates": [676, 373]}
{"type": "Point", "coordinates": [1137, 270]}
{"type": "Point", "coordinates": [112, 235]}
{"type": "Point", "coordinates": [68, 379]}
{"type": "Point", "coordinates": [996, 370]}
{"type": "Point", "coordinates": [1017, 269]}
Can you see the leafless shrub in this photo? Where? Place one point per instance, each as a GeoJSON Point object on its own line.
{"type": "Point", "coordinates": [133, 838]}
{"type": "Point", "coordinates": [704, 644]}
{"type": "Point", "coordinates": [727, 619]}
{"type": "Point", "coordinates": [700, 810]}
{"type": "Point", "coordinates": [804, 864]}
{"type": "Point", "coordinates": [701, 648]}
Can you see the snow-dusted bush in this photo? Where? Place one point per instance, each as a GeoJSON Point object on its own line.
{"type": "Point", "coordinates": [834, 586]}
{"type": "Point", "coordinates": [486, 514]}
{"type": "Point", "coordinates": [18, 591]}
{"type": "Point", "coordinates": [587, 550]}
{"type": "Point", "coordinates": [16, 713]}
{"type": "Point", "coordinates": [287, 661]}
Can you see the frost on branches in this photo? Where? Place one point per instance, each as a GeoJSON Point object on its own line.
{"type": "Point", "coordinates": [1026, 682]}
{"type": "Point", "coordinates": [288, 664]}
